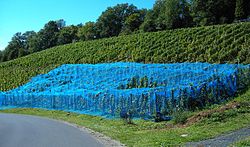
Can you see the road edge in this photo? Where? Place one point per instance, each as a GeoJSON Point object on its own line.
{"type": "Point", "coordinates": [225, 139]}
{"type": "Point", "coordinates": [103, 139]}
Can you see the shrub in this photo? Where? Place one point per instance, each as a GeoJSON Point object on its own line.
{"type": "Point", "coordinates": [180, 117]}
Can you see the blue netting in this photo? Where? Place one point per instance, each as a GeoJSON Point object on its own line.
{"type": "Point", "coordinates": [141, 89]}
{"type": "Point", "coordinates": [1, 98]}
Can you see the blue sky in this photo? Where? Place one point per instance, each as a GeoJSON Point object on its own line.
{"type": "Point", "coordinates": [26, 15]}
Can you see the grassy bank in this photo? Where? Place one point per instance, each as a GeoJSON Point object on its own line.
{"type": "Point", "coordinates": [242, 143]}
{"type": "Point", "coordinates": [218, 119]}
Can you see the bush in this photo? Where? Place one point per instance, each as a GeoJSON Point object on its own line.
{"type": "Point", "coordinates": [180, 117]}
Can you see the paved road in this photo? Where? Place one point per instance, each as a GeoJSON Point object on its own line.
{"type": "Point", "coordinates": [31, 131]}
{"type": "Point", "coordinates": [223, 140]}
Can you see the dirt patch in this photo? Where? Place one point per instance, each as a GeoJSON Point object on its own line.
{"type": "Point", "coordinates": [204, 114]}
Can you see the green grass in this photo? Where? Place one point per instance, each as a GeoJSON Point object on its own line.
{"type": "Point", "coordinates": [242, 143]}
{"type": "Point", "coordinates": [148, 133]}
{"type": "Point", "coordinates": [214, 44]}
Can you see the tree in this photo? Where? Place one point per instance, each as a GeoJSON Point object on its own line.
{"type": "Point", "coordinates": [185, 17]}
{"type": "Point", "coordinates": [133, 22]}
{"type": "Point", "coordinates": [60, 23]}
{"type": "Point", "coordinates": [17, 47]}
{"type": "Point", "coordinates": [175, 14]}
{"type": "Point", "coordinates": [149, 24]}
{"type": "Point", "coordinates": [1, 56]}
{"type": "Point", "coordinates": [47, 37]}
{"type": "Point", "coordinates": [12, 50]}
{"type": "Point", "coordinates": [111, 21]}
{"type": "Point", "coordinates": [33, 43]}
{"type": "Point", "coordinates": [227, 11]}
{"type": "Point", "coordinates": [167, 14]}
{"type": "Point", "coordinates": [26, 38]}
{"type": "Point", "coordinates": [201, 14]}
{"type": "Point", "coordinates": [209, 12]}
{"type": "Point", "coordinates": [30, 41]}
{"type": "Point", "coordinates": [87, 31]}
{"type": "Point", "coordinates": [239, 9]}
{"type": "Point", "coordinates": [67, 35]}
{"type": "Point", "coordinates": [247, 8]}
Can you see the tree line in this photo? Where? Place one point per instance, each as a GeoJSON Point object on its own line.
{"type": "Point", "coordinates": [124, 19]}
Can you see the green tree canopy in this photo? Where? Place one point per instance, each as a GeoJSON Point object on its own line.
{"type": "Point", "coordinates": [18, 46]}
{"type": "Point", "coordinates": [87, 31]}
{"type": "Point", "coordinates": [209, 12]}
{"type": "Point", "coordinates": [1, 56]}
{"type": "Point", "coordinates": [167, 14]}
{"type": "Point", "coordinates": [47, 37]}
{"type": "Point", "coordinates": [149, 24]}
{"type": "Point", "coordinates": [111, 21]}
{"type": "Point", "coordinates": [242, 9]}
{"type": "Point", "coordinates": [27, 37]}
{"type": "Point", "coordinates": [12, 50]}
{"type": "Point", "coordinates": [67, 35]}
{"type": "Point", "coordinates": [133, 22]}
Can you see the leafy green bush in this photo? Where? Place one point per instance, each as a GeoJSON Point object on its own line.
{"type": "Point", "coordinates": [180, 117]}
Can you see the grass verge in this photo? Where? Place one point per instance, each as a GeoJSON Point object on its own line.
{"type": "Point", "coordinates": [242, 143]}
{"type": "Point", "coordinates": [148, 133]}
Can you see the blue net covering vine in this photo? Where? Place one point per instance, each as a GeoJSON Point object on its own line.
{"type": "Point", "coordinates": [143, 90]}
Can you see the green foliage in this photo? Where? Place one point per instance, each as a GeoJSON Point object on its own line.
{"type": "Point", "coordinates": [67, 35]}
{"type": "Point", "coordinates": [214, 44]}
{"type": "Point", "coordinates": [175, 14]}
{"type": "Point", "coordinates": [239, 9]}
{"type": "Point", "coordinates": [137, 82]}
{"type": "Point", "coordinates": [54, 33]}
{"type": "Point", "coordinates": [144, 82]}
{"type": "Point", "coordinates": [149, 22]}
{"type": "Point", "coordinates": [87, 31]}
{"type": "Point", "coordinates": [111, 21]}
{"type": "Point", "coordinates": [133, 22]}
{"type": "Point", "coordinates": [133, 83]}
{"type": "Point", "coordinates": [219, 117]}
{"type": "Point", "coordinates": [60, 23]}
{"type": "Point", "coordinates": [242, 143]}
{"type": "Point", "coordinates": [180, 117]}
{"type": "Point", "coordinates": [1, 56]}
{"type": "Point", "coordinates": [18, 46]}
{"type": "Point", "coordinates": [47, 37]}
{"type": "Point", "coordinates": [30, 41]}
{"type": "Point", "coordinates": [167, 14]}
{"type": "Point", "coordinates": [209, 12]}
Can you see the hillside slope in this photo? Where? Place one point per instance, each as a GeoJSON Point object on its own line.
{"type": "Point", "coordinates": [141, 89]}
{"type": "Point", "coordinates": [214, 44]}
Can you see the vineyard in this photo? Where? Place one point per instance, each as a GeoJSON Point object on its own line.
{"type": "Point", "coordinates": [212, 44]}
{"type": "Point", "coordinates": [140, 90]}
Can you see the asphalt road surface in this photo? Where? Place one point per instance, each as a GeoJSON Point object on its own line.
{"type": "Point", "coordinates": [31, 131]}
{"type": "Point", "coordinates": [224, 140]}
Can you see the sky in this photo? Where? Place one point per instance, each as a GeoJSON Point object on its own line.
{"type": "Point", "coordinates": [26, 15]}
